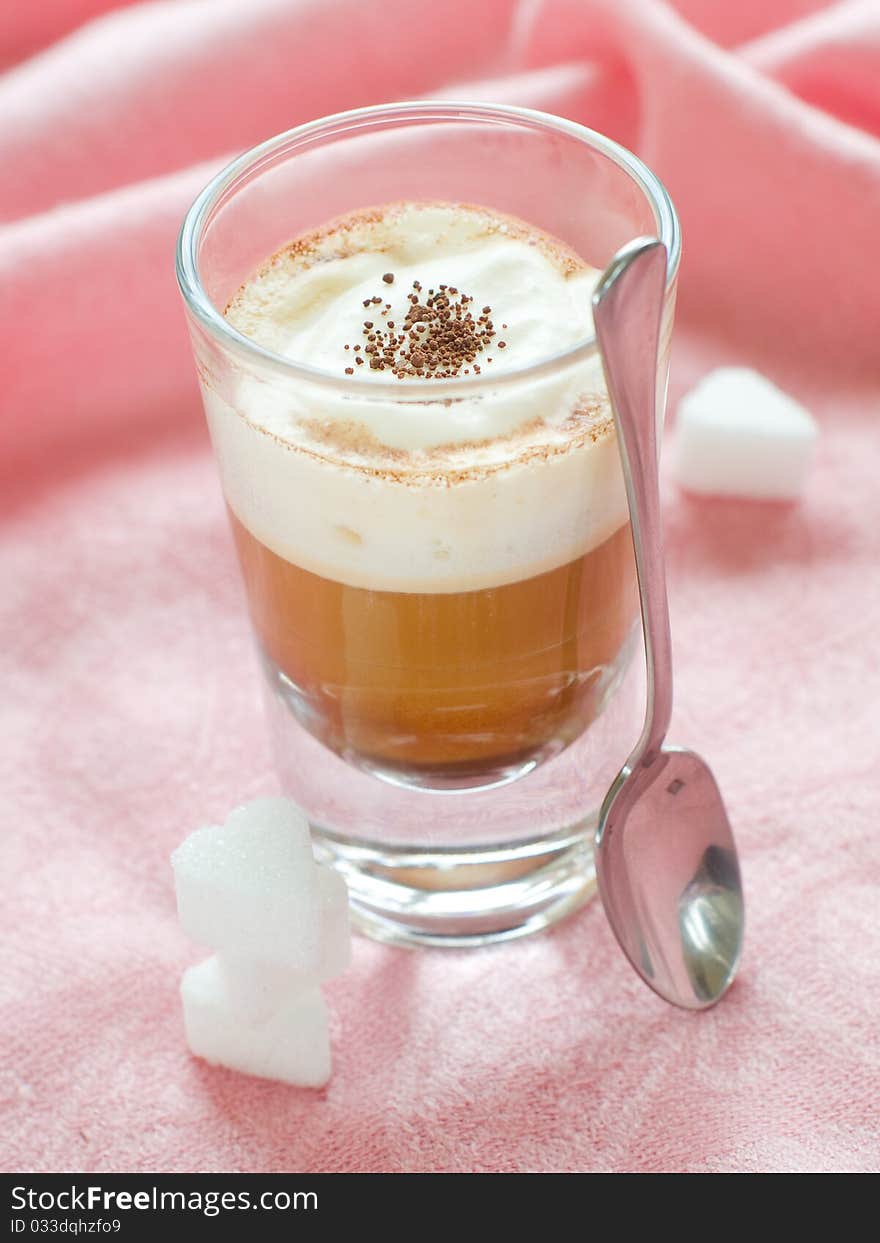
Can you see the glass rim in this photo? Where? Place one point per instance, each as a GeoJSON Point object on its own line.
{"type": "Point", "coordinates": [224, 183]}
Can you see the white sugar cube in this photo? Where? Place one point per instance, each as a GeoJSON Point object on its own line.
{"type": "Point", "coordinates": [257, 988]}
{"type": "Point", "coordinates": [291, 1044]}
{"type": "Point", "coordinates": [249, 889]}
{"type": "Point", "coordinates": [737, 434]}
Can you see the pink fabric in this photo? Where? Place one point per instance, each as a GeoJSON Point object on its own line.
{"type": "Point", "coordinates": [130, 701]}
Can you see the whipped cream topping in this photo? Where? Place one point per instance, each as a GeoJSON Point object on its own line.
{"type": "Point", "coordinates": [406, 492]}
{"type": "Point", "coordinates": [311, 301]}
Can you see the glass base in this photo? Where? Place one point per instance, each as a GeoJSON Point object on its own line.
{"type": "Point", "coordinates": [461, 866]}
{"type": "Point", "coordinates": [462, 898]}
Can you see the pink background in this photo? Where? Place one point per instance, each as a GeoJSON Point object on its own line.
{"type": "Point", "coordinates": [130, 699]}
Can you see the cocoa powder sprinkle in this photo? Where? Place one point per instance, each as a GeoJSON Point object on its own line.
{"type": "Point", "coordinates": [441, 335]}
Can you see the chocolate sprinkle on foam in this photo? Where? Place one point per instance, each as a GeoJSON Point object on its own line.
{"type": "Point", "coordinates": [440, 337]}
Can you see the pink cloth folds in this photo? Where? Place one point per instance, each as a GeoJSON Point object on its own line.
{"type": "Point", "coordinates": [130, 703]}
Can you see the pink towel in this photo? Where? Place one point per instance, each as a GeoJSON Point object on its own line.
{"type": "Point", "coordinates": [130, 699]}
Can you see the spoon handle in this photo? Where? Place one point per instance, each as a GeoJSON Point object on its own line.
{"type": "Point", "coordinates": [627, 311]}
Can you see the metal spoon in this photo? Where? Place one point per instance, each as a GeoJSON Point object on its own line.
{"type": "Point", "coordinates": [666, 860]}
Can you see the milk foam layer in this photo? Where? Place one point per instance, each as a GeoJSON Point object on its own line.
{"type": "Point", "coordinates": [402, 492]}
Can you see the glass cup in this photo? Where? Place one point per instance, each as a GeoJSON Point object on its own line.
{"type": "Point", "coordinates": [446, 631]}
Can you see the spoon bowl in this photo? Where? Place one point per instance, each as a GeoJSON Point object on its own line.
{"type": "Point", "coordinates": [669, 877]}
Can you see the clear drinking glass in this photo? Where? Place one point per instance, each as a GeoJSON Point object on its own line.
{"type": "Point", "coordinates": [447, 641]}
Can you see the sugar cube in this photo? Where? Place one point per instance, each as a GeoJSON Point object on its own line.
{"type": "Point", "coordinates": [737, 434]}
{"type": "Point", "coordinates": [257, 988]}
{"type": "Point", "coordinates": [290, 1044]}
{"type": "Point", "coordinates": [249, 889]}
